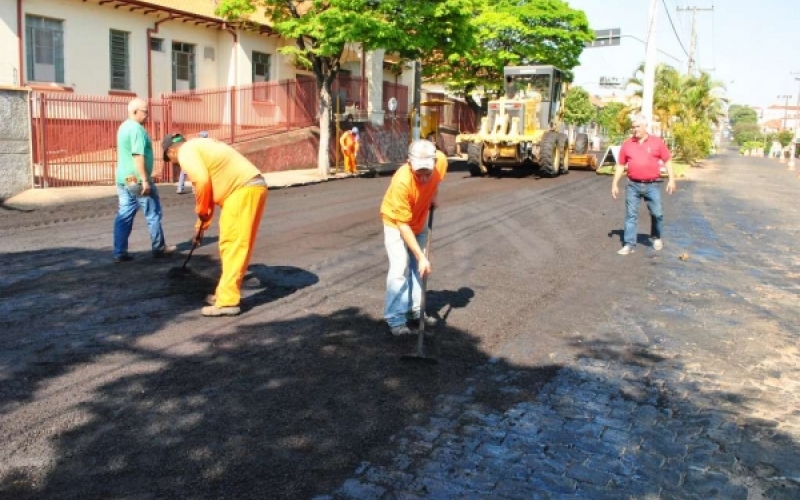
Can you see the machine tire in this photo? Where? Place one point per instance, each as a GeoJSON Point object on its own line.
{"type": "Point", "coordinates": [581, 144]}
{"type": "Point", "coordinates": [549, 154]}
{"type": "Point", "coordinates": [474, 161]}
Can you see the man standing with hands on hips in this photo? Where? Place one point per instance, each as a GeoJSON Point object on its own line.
{"type": "Point", "coordinates": [642, 154]}
{"type": "Point", "coordinates": [404, 211]}
{"type": "Point", "coordinates": [222, 176]}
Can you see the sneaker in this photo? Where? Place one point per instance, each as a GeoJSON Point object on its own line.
{"type": "Point", "coordinates": [182, 191]}
{"type": "Point", "coordinates": [627, 249]}
{"type": "Point", "coordinates": [430, 322]}
{"type": "Point", "coordinates": [221, 311]}
{"type": "Point", "coordinates": [123, 258]}
{"type": "Point", "coordinates": [658, 244]}
{"type": "Point", "coordinates": [166, 251]}
{"type": "Point", "coordinates": [399, 331]}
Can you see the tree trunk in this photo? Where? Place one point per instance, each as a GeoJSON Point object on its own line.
{"type": "Point", "coordinates": [323, 156]}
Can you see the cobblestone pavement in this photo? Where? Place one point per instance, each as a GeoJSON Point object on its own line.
{"type": "Point", "coordinates": [690, 389]}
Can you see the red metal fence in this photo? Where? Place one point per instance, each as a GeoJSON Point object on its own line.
{"type": "Point", "coordinates": [74, 136]}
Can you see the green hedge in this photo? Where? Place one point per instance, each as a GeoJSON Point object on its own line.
{"type": "Point", "coordinates": [680, 169]}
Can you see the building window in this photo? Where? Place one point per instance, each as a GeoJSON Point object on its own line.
{"type": "Point", "coordinates": [183, 66]}
{"type": "Point", "coordinates": [44, 40]}
{"type": "Point", "coordinates": [120, 72]}
{"type": "Point", "coordinates": [157, 44]}
{"type": "Point", "coordinates": [261, 63]}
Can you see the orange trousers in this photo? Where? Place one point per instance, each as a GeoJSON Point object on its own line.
{"type": "Point", "coordinates": [350, 163]}
{"type": "Point", "coordinates": [238, 228]}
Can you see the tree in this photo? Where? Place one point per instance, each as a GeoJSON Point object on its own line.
{"type": "Point", "coordinates": [615, 119]}
{"type": "Point", "coordinates": [742, 114]}
{"type": "Point", "coordinates": [511, 32]}
{"type": "Point", "coordinates": [322, 28]}
{"type": "Point", "coordinates": [578, 109]}
{"type": "Point", "coordinates": [747, 132]}
{"type": "Point", "coordinates": [685, 106]}
{"type": "Point", "coordinates": [785, 137]}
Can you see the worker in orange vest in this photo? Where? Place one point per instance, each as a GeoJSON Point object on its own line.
{"type": "Point", "coordinates": [349, 144]}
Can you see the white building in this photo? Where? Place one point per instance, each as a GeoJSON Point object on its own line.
{"type": "Point", "coordinates": [146, 48]}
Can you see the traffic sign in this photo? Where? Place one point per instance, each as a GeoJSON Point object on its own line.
{"type": "Point", "coordinates": [605, 38]}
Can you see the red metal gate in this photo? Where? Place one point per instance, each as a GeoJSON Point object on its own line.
{"type": "Point", "coordinates": [74, 138]}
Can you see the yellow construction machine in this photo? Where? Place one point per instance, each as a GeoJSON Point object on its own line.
{"type": "Point", "coordinates": [525, 127]}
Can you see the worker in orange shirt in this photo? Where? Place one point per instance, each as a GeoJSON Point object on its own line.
{"type": "Point", "coordinates": [349, 141]}
{"type": "Point", "coordinates": [222, 176]}
{"type": "Point", "coordinates": [404, 212]}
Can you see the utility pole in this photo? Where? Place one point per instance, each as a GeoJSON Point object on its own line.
{"type": "Point", "coordinates": [796, 128]}
{"type": "Point", "coordinates": [786, 98]}
{"type": "Point", "coordinates": [693, 39]}
{"type": "Point", "coordinates": [649, 83]}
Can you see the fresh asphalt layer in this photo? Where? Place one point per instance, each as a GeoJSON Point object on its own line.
{"type": "Point", "coordinates": [565, 371]}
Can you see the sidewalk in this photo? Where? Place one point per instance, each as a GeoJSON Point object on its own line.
{"type": "Point", "coordinates": [46, 197]}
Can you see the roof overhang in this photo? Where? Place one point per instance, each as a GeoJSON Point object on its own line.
{"type": "Point", "coordinates": [183, 16]}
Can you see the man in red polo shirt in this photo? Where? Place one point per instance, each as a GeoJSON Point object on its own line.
{"type": "Point", "coordinates": [642, 154]}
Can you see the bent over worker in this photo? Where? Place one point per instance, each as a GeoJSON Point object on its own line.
{"type": "Point", "coordinates": [222, 176]}
{"type": "Point", "coordinates": [349, 141]}
{"type": "Point", "coordinates": [404, 211]}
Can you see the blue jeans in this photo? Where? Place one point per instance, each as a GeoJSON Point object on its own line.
{"type": "Point", "coordinates": [181, 180]}
{"type": "Point", "coordinates": [651, 193]}
{"type": "Point", "coordinates": [403, 286]}
{"type": "Point", "coordinates": [123, 223]}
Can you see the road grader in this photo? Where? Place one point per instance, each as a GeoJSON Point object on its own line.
{"type": "Point", "coordinates": [524, 127]}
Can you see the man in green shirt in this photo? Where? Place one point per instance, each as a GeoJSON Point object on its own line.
{"type": "Point", "coordinates": [135, 187]}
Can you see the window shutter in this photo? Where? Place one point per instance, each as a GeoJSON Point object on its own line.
{"type": "Point", "coordinates": [120, 74]}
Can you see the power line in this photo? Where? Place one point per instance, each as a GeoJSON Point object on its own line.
{"type": "Point", "coordinates": [693, 43]}
{"type": "Point", "coordinates": [674, 30]}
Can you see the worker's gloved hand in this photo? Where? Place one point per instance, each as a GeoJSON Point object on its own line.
{"type": "Point", "coordinates": [204, 221]}
{"type": "Point", "coordinates": [198, 238]}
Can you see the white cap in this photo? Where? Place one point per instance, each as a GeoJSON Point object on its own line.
{"type": "Point", "coordinates": [422, 155]}
{"type": "Point", "coordinates": [354, 130]}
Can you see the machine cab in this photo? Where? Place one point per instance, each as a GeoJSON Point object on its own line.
{"type": "Point", "coordinates": [547, 81]}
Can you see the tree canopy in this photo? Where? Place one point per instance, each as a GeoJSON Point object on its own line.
{"type": "Point", "coordinates": [741, 114]}
{"type": "Point", "coordinates": [511, 32]}
{"type": "Point", "coordinates": [686, 106]}
{"type": "Point", "coordinates": [578, 109]}
{"type": "Point", "coordinates": [322, 29]}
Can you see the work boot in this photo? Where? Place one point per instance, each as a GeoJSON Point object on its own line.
{"type": "Point", "coordinates": [165, 252]}
{"type": "Point", "coordinates": [400, 331]}
{"type": "Point", "coordinates": [430, 322]}
{"type": "Point", "coordinates": [123, 258]}
{"type": "Point", "coordinates": [215, 311]}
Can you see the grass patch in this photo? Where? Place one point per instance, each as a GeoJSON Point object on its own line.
{"type": "Point", "coordinates": [680, 169]}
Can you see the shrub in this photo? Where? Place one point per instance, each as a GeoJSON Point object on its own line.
{"type": "Point", "coordinates": [693, 140]}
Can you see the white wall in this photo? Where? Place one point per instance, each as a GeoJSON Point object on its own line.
{"type": "Point", "coordinates": [86, 47]}
{"type": "Point", "coordinates": [9, 56]}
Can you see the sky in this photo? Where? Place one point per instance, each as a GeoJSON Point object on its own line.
{"type": "Point", "coordinates": [752, 48]}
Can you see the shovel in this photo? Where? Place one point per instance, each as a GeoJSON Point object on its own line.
{"type": "Point", "coordinates": [419, 356]}
{"type": "Point", "coordinates": [179, 272]}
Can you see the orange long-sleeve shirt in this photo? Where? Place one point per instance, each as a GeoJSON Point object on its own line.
{"type": "Point", "coordinates": [407, 201]}
{"type": "Point", "coordinates": [349, 143]}
{"type": "Point", "coordinates": [216, 170]}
